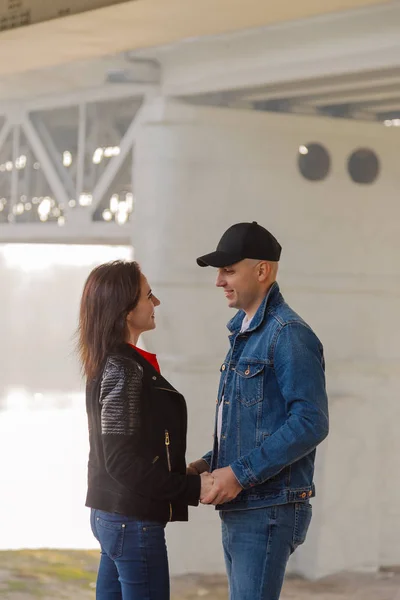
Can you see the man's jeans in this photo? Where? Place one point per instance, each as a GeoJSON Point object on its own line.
{"type": "Point", "coordinates": [257, 545]}
{"type": "Point", "coordinates": [134, 563]}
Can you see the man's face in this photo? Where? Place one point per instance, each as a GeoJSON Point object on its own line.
{"type": "Point", "coordinates": [240, 283]}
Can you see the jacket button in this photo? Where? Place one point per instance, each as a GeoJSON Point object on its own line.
{"type": "Point", "coordinates": [154, 377]}
{"type": "Point", "coordinates": [247, 372]}
{"type": "Point", "coordinates": [223, 367]}
{"type": "Point", "coordinates": [310, 494]}
{"type": "Point", "coordinates": [303, 495]}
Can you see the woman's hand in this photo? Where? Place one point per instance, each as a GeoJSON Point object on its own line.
{"type": "Point", "coordinates": [207, 482]}
{"type": "Point", "coordinates": [197, 467]}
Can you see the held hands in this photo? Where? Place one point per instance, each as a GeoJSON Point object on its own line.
{"type": "Point", "coordinates": [225, 487]}
{"type": "Point", "coordinates": [218, 487]}
{"type": "Point", "coordinates": [200, 467]}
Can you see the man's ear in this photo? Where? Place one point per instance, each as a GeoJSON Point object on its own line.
{"type": "Point", "coordinates": [264, 270]}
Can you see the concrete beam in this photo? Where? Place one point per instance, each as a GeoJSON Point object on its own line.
{"type": "Point", "coordinates": [285, 54]}
{"type": "Point", "coordinates": [147, 24]}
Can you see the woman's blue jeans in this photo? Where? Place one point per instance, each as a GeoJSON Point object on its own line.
{"type": "Point", "coordinates": [134, 561]}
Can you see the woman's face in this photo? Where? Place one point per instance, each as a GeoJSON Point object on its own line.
{"type": "Point", "coordinates": [142, 317]}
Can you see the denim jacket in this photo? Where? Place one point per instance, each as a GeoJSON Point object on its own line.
{"type": "Point", "coordinates": [275, 406]}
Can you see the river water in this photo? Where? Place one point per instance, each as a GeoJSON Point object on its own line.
{"type": "Point", "coordinates": [43, 428]}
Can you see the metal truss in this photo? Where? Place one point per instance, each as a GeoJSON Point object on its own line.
{"type": "Point", "coordinates": [66, 165]}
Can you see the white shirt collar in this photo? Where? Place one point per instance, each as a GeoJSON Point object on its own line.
{"type": "Point", "coordinates": [245, 324]}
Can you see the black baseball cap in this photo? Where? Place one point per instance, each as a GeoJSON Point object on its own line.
{"type": "Point", "coordinates": [243, 240]}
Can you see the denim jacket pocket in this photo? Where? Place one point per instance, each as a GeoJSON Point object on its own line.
{"type": "Point", "coordinates": [250, 382]}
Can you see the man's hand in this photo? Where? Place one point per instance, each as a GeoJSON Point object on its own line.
{"type": "Point", "coordinates": [197, 467]}
{"type": "Point", "coordinates": [207, 481]}
{"type": "Point", "coordinates": [226, 487]}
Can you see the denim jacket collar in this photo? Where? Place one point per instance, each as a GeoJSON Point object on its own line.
{"type": "Point", "coordinates": [272, 297]}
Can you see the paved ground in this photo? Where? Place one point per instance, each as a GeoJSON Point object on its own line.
{"type": "Point", "coordinates": [70, 575]}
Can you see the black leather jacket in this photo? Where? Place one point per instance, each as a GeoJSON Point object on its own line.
{"type": "Point", "coordinates": [137, 433]}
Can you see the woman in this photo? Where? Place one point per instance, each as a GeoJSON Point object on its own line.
{"type": "Point", "coordinates": [137, 479]}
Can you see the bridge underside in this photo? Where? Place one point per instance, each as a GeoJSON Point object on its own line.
{"type": "Point", "coordinates": [68, 131]}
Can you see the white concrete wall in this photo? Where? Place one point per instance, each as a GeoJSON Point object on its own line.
{"type": "Point", "coordinates": [196, 172]}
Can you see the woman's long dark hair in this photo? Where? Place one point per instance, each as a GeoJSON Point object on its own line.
{"type": "Point", "coordinates": [111, 291]}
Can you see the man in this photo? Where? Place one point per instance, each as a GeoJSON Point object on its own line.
{"type": "Point", "coordinates": [271, 414]}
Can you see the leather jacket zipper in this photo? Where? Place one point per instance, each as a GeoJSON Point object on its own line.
{"type": "Point", "coordinates": [167, 444]}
